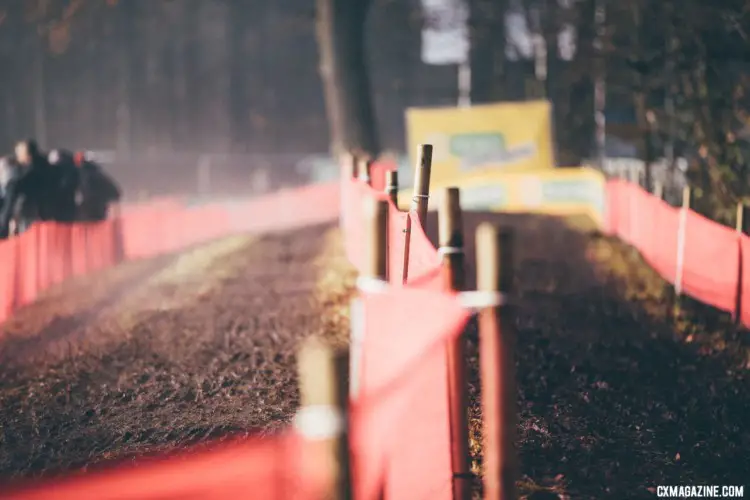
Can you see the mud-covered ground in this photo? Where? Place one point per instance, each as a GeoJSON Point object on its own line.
{"type": "Point", "coordinates": [613, 400]}
{"type": "Point", "coordinates": [164, 353]}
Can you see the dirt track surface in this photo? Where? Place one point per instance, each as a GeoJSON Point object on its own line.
{"type": "Point", "coordinates": [612, 400]}
{"type": "Point", "coordinates": [159, 354]}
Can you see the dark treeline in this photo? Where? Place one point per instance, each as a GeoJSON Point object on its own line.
{"type": "Point", "coordinates": [185, 75]}
{"type": "Point", "coordinates": [170, 79]}
{"type": "Point", "coordinates": [241, 77]}
{"type": "Point", "coordinates": [194, 75]}
{"type": "Point", "coordinates": [162, 81]}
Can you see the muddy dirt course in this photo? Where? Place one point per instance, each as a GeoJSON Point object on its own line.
{"type": "Point", "coordinates": [155, 355]}
{"type": "Point", "coordinates": [159, 354]}
{"type": "Point", "coordinates": [613, 399]}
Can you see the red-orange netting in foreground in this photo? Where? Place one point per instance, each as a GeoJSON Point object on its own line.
{"type": "Point", "coordinates": [400, 429]}
{"type": "Point", "coordinates": [282, 467]}
{"type": "Point", "coordinates": [399, 423]}
{"type": "Point", "coordinates": [400, 435]}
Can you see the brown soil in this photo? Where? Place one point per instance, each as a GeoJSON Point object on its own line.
{"type": "Point", "coordinates": [160, 354]}
{"type": "Point", "coordinates": [613, 398]}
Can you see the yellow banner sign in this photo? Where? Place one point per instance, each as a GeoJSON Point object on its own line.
{"type": "Point", "coordinates": [563, 191]}
{"type": "Point", "coordinates": [468, 143]}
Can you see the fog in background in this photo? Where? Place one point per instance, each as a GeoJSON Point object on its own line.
{"type": "Point", "coordinates": [161, 87]}
{"type": "Point", "coordinates": [225, 96]}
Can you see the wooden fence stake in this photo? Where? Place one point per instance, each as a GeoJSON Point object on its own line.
{"type": "Point", "coordinates": [681, 230]}
{"type": "Point", "coordinates": [391, 189]}
{"type": "Point", "coordinates": [667, 288]}
{"type": "Point", "coordinates": [419, 200]}
{"type": "Point", "coordinates": [353, 163]}
{"type": "Point", "coordinates": [642, 179]}
{"type": "Point", "coordinates": [497, 339]}
{"type": "Point", "coordinates": [742, 227]}
{"type": "Point", "coordinates": [323, 415]}
{"type": "Point", "coordinates": [377, 248]}
{"type": "Point", "coordinates": [391, 186]}
{"type": "Point", "coordinates": [743, 218]}
{"type": "Point", "coordinates": [659, 189]}
{"type": "Point", "coordinates": [365, 166]}
{"type": "Point", "coordinates": [452, 247]}
{"type": "Point", "coordinates": [350, 168]}
{"type": "Point", "coordinates": [375, 267]}
{"type": "Point", "coordinates": [420, 196]}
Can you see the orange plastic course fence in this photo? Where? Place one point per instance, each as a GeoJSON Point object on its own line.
{"type": "Point", "coordinates": [49, 253]}
{"type": "Point", "coordinates": [275, 468]}
{"type": "Point", "coordinates": [399, 420]}
{"type": "Point", "coordinates": [700, 257]}
{"type": "Point", "coordinates": [399, 416]}
{"type": "Point", "coordinates": [378, 174]}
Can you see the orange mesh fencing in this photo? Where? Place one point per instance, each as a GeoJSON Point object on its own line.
{"type": "Point", "coordinates": [702, 257]}
{"type": "Point", "coordinates": [399, 417]}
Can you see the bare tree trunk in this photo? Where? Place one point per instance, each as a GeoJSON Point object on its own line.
{"type": "Point", "coordinates": [487, 53]}
{"type": "Point", "coordinates": [181, 56]}
{"type": "Point", "coordinates": [238, 110]}
{"type": "Point", "coordinates": [646, 126]}
{"type": "Point", "coordinates": [640, 96]}
{"type": "Point", "coordinates": [343, 69]}
{"type": "Point", "coordinates": [217, 117]}
{"type": "Point", "coordinates": [151, 48]}
{"type": "Point", "coordinates": [551, 26]}
{"type": "Point", "coordinates": [579, 130]}
{"type": "Point", "coordinates": [125, 91]}
{"type": "Point", "coordinates": [11, 93]}
{"type": "Point", "coordinates": [11, 119]}
{"type": "Point", "coordinates": [192, 63]}
{"type": "Point", "coordinates": [40, 97]}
